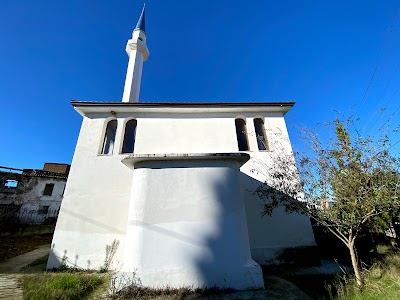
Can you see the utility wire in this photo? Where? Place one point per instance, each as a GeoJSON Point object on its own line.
{"type": "Point", "coordinates": [371, 116]}
{"type": "Point", "coordinates": [390, 118]}
{"type": "Point", "coordinates": [376, 66]}
{"type": "Point", "coordinates": [383, 110]}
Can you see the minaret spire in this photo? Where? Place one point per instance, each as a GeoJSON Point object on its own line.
{"type": "Point", "coordinates": [141, 24]}
{"type": "Point", "coordinates": [138, 53]}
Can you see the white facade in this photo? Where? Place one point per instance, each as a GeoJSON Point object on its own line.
{"type": "Point", "coordinates": [104, 196]}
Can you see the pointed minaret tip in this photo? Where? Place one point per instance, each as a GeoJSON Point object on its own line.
{"type": "Point", "coordinates": [141, 24]}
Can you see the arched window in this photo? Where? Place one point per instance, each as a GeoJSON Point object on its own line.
{"type": "Point", "coordinates": [241, 134]}
{"type": "Point", "coordinates": [129, 137]}
{"type": "Point", "coordinates": [109, 137]}
{"type": "Point", "coordinates": [260, 134]}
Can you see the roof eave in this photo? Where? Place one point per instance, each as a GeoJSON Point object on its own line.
{"type": "Point", "coordinates": [84, 107]}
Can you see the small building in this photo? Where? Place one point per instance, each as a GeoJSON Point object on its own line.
{"type": "Point", "coordinates": [31, 196]}
{"type": "Point", "coordinates": [170, 184]}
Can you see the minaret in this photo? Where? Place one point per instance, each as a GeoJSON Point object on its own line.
{"type": "Point", "coordinates": [138, 53]}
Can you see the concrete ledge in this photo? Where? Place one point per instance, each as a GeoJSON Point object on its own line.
{"type": "Point", "coordinates": [132, 159]}
{"type": "Point", "coordinates": [241, 277]}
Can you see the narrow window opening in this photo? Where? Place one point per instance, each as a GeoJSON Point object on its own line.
{"type": "Point", "coordinates": [129, 137]}
{"type": "Point", "coordinates": [43, 210]}
{"type": "Point", "coordinates": [260, 134]}
{"type": "Point", "coordinates": [140, 39]}
{"type": "Point", "coordinates": [109, 137]}
{"type": "Point", "coordinates": [241, 134]}
{"type": "Point", "coordinates": [48, 189]}
{"type": "Point", "coordinates": [10, 183]}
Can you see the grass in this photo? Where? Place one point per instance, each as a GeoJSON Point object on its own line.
{"type": "Point", "coordinates": [381, 281]}
{"type": "Point", "coordinates": [168, 293]}
{"type": "Point", "coordinates": [61, 286]}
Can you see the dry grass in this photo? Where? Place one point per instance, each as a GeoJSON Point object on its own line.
{"type": "Point", "coordinates": [381, 281]}
{"type": "Point", "coordinates": [61, 286]}
{"type": "Point", "coordinates": [167, 293]}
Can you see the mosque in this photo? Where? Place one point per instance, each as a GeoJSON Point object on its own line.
{"type": "Point", "coordinates": [170, 184]}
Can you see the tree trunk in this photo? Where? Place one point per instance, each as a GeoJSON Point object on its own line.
{"type": "Point", "coordinates": [355, 263]}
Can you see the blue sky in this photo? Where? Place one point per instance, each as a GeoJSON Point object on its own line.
{"type": "Point", "coordinates": [320, 54]}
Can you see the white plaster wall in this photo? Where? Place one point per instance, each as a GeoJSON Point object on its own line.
{"type": "Point", "coordinates": [96, 198]}
{"type": "Point", "coordinates": [94, 209]}
{"type": "Point", "coordinates": [185, 135]}
{"type": "Point", "coordinates": [187, 226]}
{"type": "Point", "coordinates": [270, 236]}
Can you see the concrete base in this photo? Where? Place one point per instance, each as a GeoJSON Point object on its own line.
{"type": "Point", "coordinates": [246, 277]}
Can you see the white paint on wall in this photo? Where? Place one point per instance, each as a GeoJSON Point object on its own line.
{"type": "Point", "coordinates": [99, 196]}
{"type": "Point", "coordinates": [187, 224]}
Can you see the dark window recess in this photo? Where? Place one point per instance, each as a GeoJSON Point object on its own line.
{"type": "Point", "coordinates": [129, 137]}
{"type": "Point", "coordinates": [43, 210]}
{"type": "Point", "coordinates": [260, 134]}
{"type": "Point", "coordinates": [109, 137]}
{"type": "Point", "coordinates": [241, 134]}
{"type": "Point", "coordinates": [48, 189]}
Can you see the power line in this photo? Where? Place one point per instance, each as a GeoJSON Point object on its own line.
{"type": "Point", "coordinates": [387, 85]}
{"type": "Point", "coordinates": [376, 66]}
{"type": "Point", "coordinates": [390, 118]}
{"type": "Point", "coordinates": [382, 111]}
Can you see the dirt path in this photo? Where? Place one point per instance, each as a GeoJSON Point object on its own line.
{"type": "Point", "coordinates": [9, 285]}
{"type": "Point", "coordinates": [10, 288]}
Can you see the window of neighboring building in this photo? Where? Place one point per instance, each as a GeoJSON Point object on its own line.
{"type": "Point", "coordinates": [109, 137]}
{"type": "Point", "coordinates": [129, 137]}
{"type": "Point", "coordinates": [10, 183]}
{"type": "Point", "coordinates": [260, 134]}
{"type": "Point", "coordinates": [48, 189]}
{"type": "Point", "coordinates": [241, 134]}
{"type": "Point", "coordinates": [43, 210]}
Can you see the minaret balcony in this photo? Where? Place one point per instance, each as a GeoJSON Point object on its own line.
{"type": "Point", "coordinates": [137, 45]}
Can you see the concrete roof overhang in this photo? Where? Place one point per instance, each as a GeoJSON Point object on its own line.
{"type": "Point", "coordinates": [84, 107]}
{"type": "Point", "coordinates": [131, 160]}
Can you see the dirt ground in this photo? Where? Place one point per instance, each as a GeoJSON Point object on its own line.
{"type": "Point", "coordinates": [11, 246]}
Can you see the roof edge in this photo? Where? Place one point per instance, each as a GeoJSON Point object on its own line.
{"type": "Point", "coordinates": [76, 103]}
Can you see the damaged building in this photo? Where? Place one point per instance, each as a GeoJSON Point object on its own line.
{"type": "Point", "coordinates": [32, 196]}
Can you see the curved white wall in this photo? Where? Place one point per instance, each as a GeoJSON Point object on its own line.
{"type": "Point", "coordinates": [187, 225]}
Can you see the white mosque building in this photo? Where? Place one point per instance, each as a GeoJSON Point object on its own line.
{"type": "Point", "coordinates": [171, 183]}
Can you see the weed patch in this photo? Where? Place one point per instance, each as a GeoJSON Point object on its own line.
{"type": "Point", "coordinates": [62, 286]}
{"type": "Point", "coordinates": [143, 293]}
{"type": "Point", "coordinates": [381, 281]}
